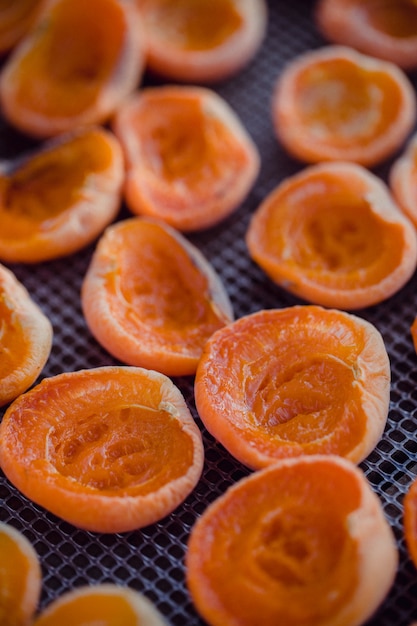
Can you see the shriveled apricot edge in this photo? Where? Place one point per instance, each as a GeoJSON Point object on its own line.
{"type": "Point", "coordinates": [211, 64]}
{"type": "Point", "coordinates": [68, 228]}
{"type": "Point", "coordinates": [317, 282]}
{"type": "Point", "coordinates": [30, 325]}
{"type": "Point", "coordinates": [402, 180]}
{"type": "Point", "coordinates": [246, 560]}
{"type": "Point", "coordinates": [123, 328]}
{"type": "Point", "coordinates": [126, 74]}
{"type": "Point", "coordinates": [344, 22]}
{"type": "Point", "coordinates": [85, 493]}
{"type": "Point", "coordinates": [16, 18]}
{"type": "Point", "coordinates": [410, 520]}
{"type": "Point", "coordinates": [148, 191]}
{"type": "Point", "coordinates": [296, 136]}
{"type": "Point", "coordinates": [238, 365]}
{"type": "Point", "coordinates": [105, 603]}
{"type": "Point", "coordinates": [23, 586]}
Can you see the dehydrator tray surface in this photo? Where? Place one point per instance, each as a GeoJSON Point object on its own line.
{"type": "Point", "coordinates": [152, 559]}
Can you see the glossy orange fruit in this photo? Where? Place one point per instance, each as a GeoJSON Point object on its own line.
{"type": "Point", "coordinates": [403, 180]}
{"type": "Point", "coordinates": [295, 381]}
{"type": "Point", "coordinates": [110, 449]}
{"type": "Point", "coordinates": [190, 161]}
{"type": "Point", "coordinates": [25, 337]}
{"type": "Point", "coordinates": [381, 28]}
{"type": "Point", "coordinates": [16, 18]}
{"type": "Point", "coordinates": [74, 68]}
{"type": "Point", "coordinates": [58, 199]}
{"type": "Point", "coordinates": [304, 541]}
{"type": "Point", "coordinates": [204, 41]}
{"type": "Point", "coordinates": [335, 103]}
{"type": "Point", "coordinates": [20, 578]}
{"type": "Point", "coordinates": [105, 605]}
{"type": "Point", "coordinates": [410, 520]}
{"type": "Point", "coordinates": [151, 298]}
{"type": "Point", "coordinates": [333, 235]}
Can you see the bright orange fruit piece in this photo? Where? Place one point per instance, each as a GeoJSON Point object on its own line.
{"type": "Point", "coordinates": [410, 520]}
{"type": "Point", "coordinates": [295, 381]}
{"type": "Point", "coordinates": [151, 298]}
{"type": "Point", "coordinates": [20, 578]}
{"type": "Point", "coordinates": [335, 103]}
{"type": "Point", "coordinates": [25, 337]}
{"type": "Point", "coordinates": [74, 68]}
{"type": "Point", "coordinates": [105, 605]}
{"type": "Point", "coordinates": [333, 235]}
{"type": "Point", "coordinates": [304, 541]}
{"type": "Point", "coordinates": [16, 18]}
{"type": "Point", "coordinates": [387, 30]}
{"type": "Point", "coordinates": [206, 41]}
{"type": "Point", "coordinates": [58, 199]}
{"type": "Point", "coordinates": [190, 161]}
{"type": "Point", "coordinates": [403, 180]}
{"type": "Point", "coordinates": [109, 449]}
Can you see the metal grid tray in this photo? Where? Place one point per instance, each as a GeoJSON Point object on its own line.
{"type": "Point", "coordinates": [151, 560]}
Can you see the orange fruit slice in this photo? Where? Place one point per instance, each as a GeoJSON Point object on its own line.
{"type": "Point", "coordinates": [106, 604]}
{"type": "Point", "coordinates": [190, 161]}
{"type": "Point", "coordinates": [202, 42]}
{"type": "Point", "coordinates": [57, 200]}
{"type": "Point", "coordinates": [20, 578]}
{"type": "Point", "coordinates": [110, 449]}
{"type": "Point", "coordinates": [295, 381]}
{"type": "Point", "coordinates": [403, 180]}
{"type": "Point", "coordinates": [304, 541]}
{"type": "Point", "coordinates": [73, 69]}
{"type": "Point", "coordinates": [333, 235]}
{"type": "Point", "coordinates": [335, 103]}
{"type": "Point", "coordinates": [410, 520]}
{"type": "Point", "coordinates": [387, 30]}
{"type": "Point", "coordinates": [25, 337]}
{"type": "Point", "coordinates": [16, 18]}
{"type": "Point", "coordinates": [134, 293]}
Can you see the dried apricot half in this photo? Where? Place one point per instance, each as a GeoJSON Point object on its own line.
{"type": "Point", "coordinates": [151, 298]}
{"type": "Point", "coordinates": [58, 199]}
{"type": "Point", "coordinates": [302, 542]}
{"type": "Point", "coordinates": [403, 180]}
{"type": "Point", "coordinates": [16, 18]}
{"type": "Point", "coordinates": [295, 381]}
{"type": "Point", "coordinates": [25, 337]}
{"type": "Point", "coordinates": [335, 103]}
{"type": "Point", "coordinates": [333, 235]}
{"type": "Point", "coordinates": [190, 161]}
{"type": "Point", "coordinates": [106, 604]}
{"type": "Point", "coordinates": [386, 29]}
{"type": "Point", "coordinates": [20, 578]}
{"type": "Point", "coordinates": [74, 68]}
{"type": "Point", "coordinates": [109, 449]}
{"type": "Point", "coordinates": [206, 41]}
{"type": "Point", "coordinates": [410, 520]}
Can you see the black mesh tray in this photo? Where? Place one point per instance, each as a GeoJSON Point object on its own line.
{"type": "Point", "coordinates": [152, 559]}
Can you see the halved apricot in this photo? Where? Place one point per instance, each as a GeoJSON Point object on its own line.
{"type": "Point", "coordinates": [302, 542]}
{"type": "Point", "coordinates": [151, 298]}
{"type": "Point", "coordinates": [25, 337]}
{"type": "Point", "coordinates": [202, 41]}
{"type": "Point", "coordinates": [386, 29]}
{"type": "Point", "coordinates": [105, 604]}
{"type": "Point", "coordinates": [16, 18]}
{"type": "Point", "coordinates": [295, 381]}
{"type": "Point", "coordinates": [190, 161]}
{"type": "Point", "coordinates": [74, 68]}
{"type": "Point", "coordinates": [403, 180]}
{"type": "Point", "coordinates": [20, 578]}
{"type": "Point", "coordinates": [58, 199]}
{"type": "Point", "coordinates": [109, 449]}
{"type": "Point", "coordinates": [332, 235]}
{"type": "Point", "coordinates": [335, 103]}
{"type": "Point", "coordinates": [410, 520]}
